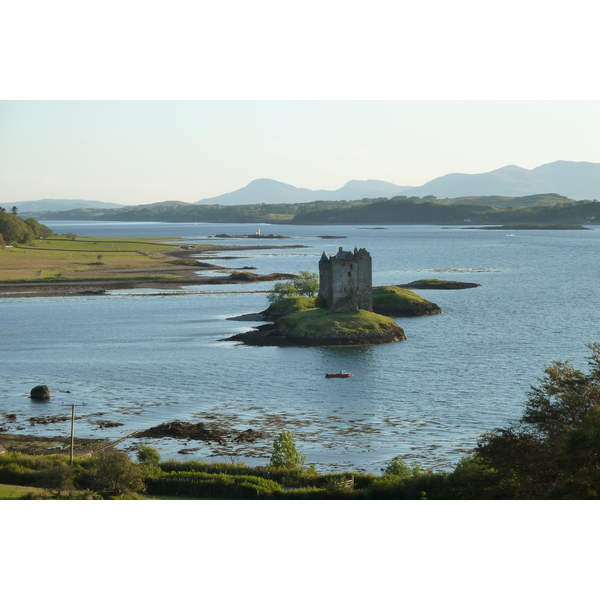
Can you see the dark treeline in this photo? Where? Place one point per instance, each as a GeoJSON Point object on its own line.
{"type": "Point", "coordinates": [14, 230]}
{"type": "Point", "coordinates": [483, 210]}
{"type": "Point", "coordinates": [410, 212]}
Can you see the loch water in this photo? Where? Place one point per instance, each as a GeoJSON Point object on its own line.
{"type": "Point", "coordinates": [145, 357]}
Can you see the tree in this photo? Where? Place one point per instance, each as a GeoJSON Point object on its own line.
{"type": "Point", "coordinates": [285, 455]}
{"type": "Point", "coordinates": [39, 230]}
{"type": "Point", "coordinates": [306, 284]}
{"type": "Point", "coordinates": [147, 455]}
{"type": "Point", "coordinates": [14, 229]}
{"type": "Point", "coordinates": [14, 210]}
{"type": "Point", "coordinates": [281, 290]}
{"type": "Point", "coordinates": [116, 472]}
{"type": "Point", "coordinates": [58, 480]}
{"type": "Point", "coordinates": [553, 450]}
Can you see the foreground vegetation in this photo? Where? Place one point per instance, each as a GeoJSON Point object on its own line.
{"type": "Point", "coordinates": [551, 452]}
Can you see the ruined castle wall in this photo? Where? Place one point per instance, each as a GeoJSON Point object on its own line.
{"type": "Point", "coordinates": [364, 282]}
{"type": "Point", "coordinates": [325, 282]}
{"type": "Point", "coordinates": [347, 274]}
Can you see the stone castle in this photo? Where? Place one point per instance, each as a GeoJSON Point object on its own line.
{"type": "Point", "coordinates": [347, 276]}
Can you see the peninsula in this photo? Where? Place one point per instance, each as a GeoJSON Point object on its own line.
{"type": "Point", "coordinates": [63, 265]}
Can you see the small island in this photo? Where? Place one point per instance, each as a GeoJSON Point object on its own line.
{"type": "Point", "coordinates": [346, 311]}
{"type": "Point", "coordinates": [534, 227]}
{"type": "Point", "coordinates": [437, 284]}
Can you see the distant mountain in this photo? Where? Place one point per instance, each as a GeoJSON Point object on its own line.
{"type": "Point", "coordinates": [269, 191]}
{"type": "Point", "coordinates": [577, 180]}
{"type": "Point", "coordinates": [573, 180]}
{"type": "Point", "coordinates": [54, 205]}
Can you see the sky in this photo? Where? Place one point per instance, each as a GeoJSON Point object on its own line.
{"type": "Point", "coordinates": [200, 99]}
{"type": "Point", "coordinates": [141, 152]}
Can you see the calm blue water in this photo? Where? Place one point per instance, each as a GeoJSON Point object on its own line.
{"type": "Point", "coordinates": [142, 358]}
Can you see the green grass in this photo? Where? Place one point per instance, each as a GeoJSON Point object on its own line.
{"type": "Point", "coordinates": [390, 296]}
{"type": "Point", "coordinates": [59, 258]}
{"type": "Point", "coordinates": [432, 282]}
{"type": "Point", "coordinates": [318, 323]}
{"type": "Point", "coordinates": [18, 492]}
{"type": "Point", "coordinates": [294, 304]}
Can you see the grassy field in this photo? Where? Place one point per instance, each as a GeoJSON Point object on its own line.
{"type": "Point", "coordinates": [60, 258]}
{"type": "Point", "coordinates": [17, 492]}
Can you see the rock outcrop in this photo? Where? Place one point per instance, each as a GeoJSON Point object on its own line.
{"type": "Point", "coordinates": [40, 392]}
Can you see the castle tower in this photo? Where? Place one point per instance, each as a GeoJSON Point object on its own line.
{"type": "Point", "coordinates": [347, 274]}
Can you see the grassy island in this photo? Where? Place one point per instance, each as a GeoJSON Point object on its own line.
{"type": "Point", "coordinates": [389, 300]}
{"type": "Point", "coordinates": [399, 302]}
{"type": "Point", "coordinates": [299, 321]}
{"type": "Point", "coordinates": [319, 326]}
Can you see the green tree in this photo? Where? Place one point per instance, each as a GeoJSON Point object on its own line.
{"type": "Point", "coordinates": [398, 468]}
{"type": "Point", "coordinates": [38, 229]}
{"type": "Point", "coordinates": [553, 450]}
{"type": "Point", "coordinates": [147, 455]}
{"type": "Point", "coordinates": [285, 454]}
{"type": "Point", "coordinates": [58, 480]}
{"type": "Point", "coordinates": [281, 290]}
{"type": "Point", "coordinates": [115, 472]}
{"type": "Point", "coordinates": [306, 284]}
{"type": "Point", "coordinates": [14, 229]}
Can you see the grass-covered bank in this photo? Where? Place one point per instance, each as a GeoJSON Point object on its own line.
{"type": "Point", "coordinates": [400, 302]}
{"type": "Point", "coordinates": [70, 258]}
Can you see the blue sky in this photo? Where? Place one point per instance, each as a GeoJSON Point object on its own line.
{"type": "Point", "coordinates": [135, 152]}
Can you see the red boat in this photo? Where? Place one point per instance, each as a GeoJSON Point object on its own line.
{"type": "Point", "coordinates": [340, 374]}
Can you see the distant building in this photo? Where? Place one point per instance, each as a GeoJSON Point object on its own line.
{"type": "Point", "coordinates": [347, 276]}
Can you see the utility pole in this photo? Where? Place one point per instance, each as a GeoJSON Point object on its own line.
{"type": "Point", "coordinates": [72, 432]}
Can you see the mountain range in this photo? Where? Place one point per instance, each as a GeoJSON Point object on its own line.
{"type": "Point", "coordinates": [575, 180]}
{"type": "Point", "coordinates": [54, 204]}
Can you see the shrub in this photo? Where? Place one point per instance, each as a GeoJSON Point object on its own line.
{"type": "Point", "coordinates": [147, 455]}
{"type": "Point", "coordinates": [212, 485]}
{"type": "Point", "coordinates": [285, 453]}
{"type": "Point", "coordinates": [306, 284]}
{"type": "Point", "coordinates": [116, 472]}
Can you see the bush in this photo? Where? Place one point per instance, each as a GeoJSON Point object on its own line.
{"type": "Point", "coordinates": [285, 455]}
{"type": "Point", "coordinates": [147, 455]}
{"type": "Point", "coordinates": [212, 485]}
{"type": "Point", "coordinates": [115, 472]}
{"type": "Point", "coordinates": [306, 284]}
